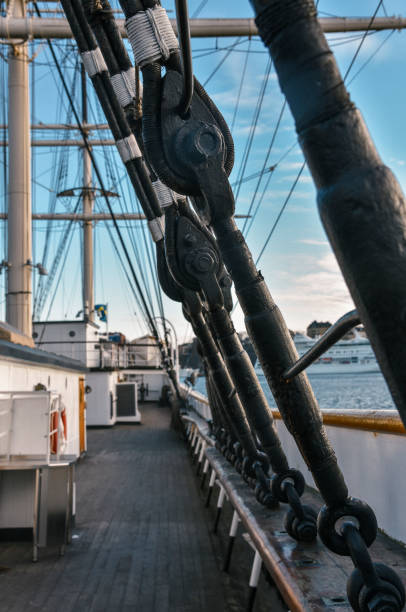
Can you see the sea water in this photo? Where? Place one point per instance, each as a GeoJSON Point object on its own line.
{"type": "Point", "coordinates": [340, 391]}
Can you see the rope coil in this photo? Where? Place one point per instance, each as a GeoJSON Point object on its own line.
{"type": "Point", "coordinates": [128, 148]}
{"type": "Point", "coordinates": [166, 197]}
{"type": "Point", "coordinates": [124, 86]}
{"type": "Point", "coordinates": [151, 36]}
{"type": "Point", "coordinates": [157, 228]}
{"type": "Point", "coordinates": [93, 62]}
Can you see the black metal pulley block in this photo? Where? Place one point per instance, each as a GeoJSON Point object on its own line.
{"type": "Point", "coordinates": [196, 149]}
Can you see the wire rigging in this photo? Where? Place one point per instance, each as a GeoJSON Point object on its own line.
{"type": "Point", "coordinates": [362, 40]}
{"type": "Point", "coordinates": [199, 9]}
{"type": "Point", "coordinates": [253, 128]}
{"type": "Point", "coordinates": [265, 162]}
{"type": "Point", "coordinates": [365, 64]}
{"type": "Point", "coordinates": [264, 191]}
{"type": "Point", "coordinates": [280, 213]}
{"type": "Point", "coordinates": [219, 65]}
{"type": "Point", "coordinates": [99, 178]}
{"type": "Point", "coordinates": [244, 71]}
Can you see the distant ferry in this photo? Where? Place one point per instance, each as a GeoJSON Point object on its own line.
{"type": "Point", "coordinates": [345, 357]}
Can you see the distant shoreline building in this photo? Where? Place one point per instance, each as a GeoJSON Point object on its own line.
{"type": "Point", "coordinates": [317, 328]}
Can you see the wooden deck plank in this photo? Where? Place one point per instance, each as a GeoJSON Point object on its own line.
{"type": "Point", "coordinates": [141, 541]}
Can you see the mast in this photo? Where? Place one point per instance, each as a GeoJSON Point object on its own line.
{"type": "Point", "coordinates": [88, 200]}
{"type": "Point", "coordinates": [19, 288]}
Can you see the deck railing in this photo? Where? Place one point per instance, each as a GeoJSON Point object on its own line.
{"type": "Point", "coordinates": [196, 401]}
{"type": "Point", "coordinates": [31, 425]}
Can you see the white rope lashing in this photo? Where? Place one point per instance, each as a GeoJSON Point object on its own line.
{"type": "Point", "coordinates": [157, 228]}
{"type": "Point", "coordinates": [128, 148]}
{"type": "Point", "coordinates": [93, 62]}
{"type": "Point", "coordinates": [124, 86]}
{"type": "Point", "coordinates": [151, 35]}
{"type": "Point", "coordinates": [166, 197]}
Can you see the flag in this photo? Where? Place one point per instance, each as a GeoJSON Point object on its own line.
{"type": "Point", "coordinates": [101, 310]}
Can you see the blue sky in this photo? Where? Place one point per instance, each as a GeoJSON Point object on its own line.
{"type": "Point", "coordinates": [298, 263]}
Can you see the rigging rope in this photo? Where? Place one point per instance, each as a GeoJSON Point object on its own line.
{"type": "Point", "coordinates": [365, 64]}
{"type": "Point", "coordinates": [217, 68]}
{"type": "Point", "coordinates": [280, 213]}
{"type": "Point", "coordinates": [244, 71]}
{"type": "Point", "coordinates": [254, 124]}
{"type": "Point", "coordinates": [265, 163]}
{"type": "Point", "coordinates": [264, 191]}
{"type": "Point", "coordinates": [199, 8]}
{"type": "Point", "coordinates": [99, 178]}
{"type": "Point", "coordinates": [362, 40]}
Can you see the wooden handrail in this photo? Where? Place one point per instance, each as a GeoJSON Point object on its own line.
{"type": "Point", "coordinates": [384, 421]}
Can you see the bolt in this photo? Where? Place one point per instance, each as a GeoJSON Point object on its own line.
{"type": "Point", "coordinates": [205, 142]}
{"type": "Point", "coordinates": [306, 531]}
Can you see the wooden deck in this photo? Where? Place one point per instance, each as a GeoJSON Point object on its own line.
{"type": "Point", "coordinates": [141, 540]}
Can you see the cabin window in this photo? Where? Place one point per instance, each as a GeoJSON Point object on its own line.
{"type": "Point", "coordinates": [72, 333]}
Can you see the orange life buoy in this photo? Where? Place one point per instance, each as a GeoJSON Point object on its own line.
{"type": "Point", "coordinates": [54, 427]}
{"type": "Point", "coordinates": [64, 423]}
{"type": "Point", "coordinates": [53, 438]}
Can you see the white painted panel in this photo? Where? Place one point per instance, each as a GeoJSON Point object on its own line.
{"type": "Point", "coordinates": [30, 425]}
{"type": "Point", "coordinates": [373, 465]}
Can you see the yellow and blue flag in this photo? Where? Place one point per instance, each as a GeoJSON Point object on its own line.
{"type": "Point", "coordinates": [101, 310]}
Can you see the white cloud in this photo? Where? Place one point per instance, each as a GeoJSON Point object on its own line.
{"type": "Point", "coordinates": [311, 287]}
{"type": "Point", "coordinates": [313, 242]}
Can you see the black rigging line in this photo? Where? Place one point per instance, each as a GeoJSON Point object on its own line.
{"type": "Point", "coordinates": [251, 177]}
{"type": "Point", "coordinates": [43, 295]}
{"type": "Point", "coordinates": [281, 212]}
{"type": "Point", "coordinates": [148, 251]}
{"type": "Point", "coordinates": [56, 287]}
{"type": "Point", "coordinates": [301, 170]}
{"type": "Point", "coordinates": [199, 9]}
{"type": "Point", "coordinates": [4, 159]}
{"type": "Point", "coordinates": [33, 152]}
{"type": "Point", "coordinates": [60, 159]}
{"type": "Point", "coordinates": [362, 40]}
{"type": "Point", "coordinates": [219, 65]}
{"type": "Point", "coordinates": [365, 64]}
{"type": "Point", "coordinates": [237, 104]}
{"type": "Point", "coordinates": [271, 172]}
{"type": "Point", "coordinates": [254, 124]}
{"type": "Point", "coordinates": [99, 178]}
{"type": "Point", "coordinates": [232, 47]}
{"type": "Point", "coordinates": [111, 169]}
{"type": "Point", "coordinates": [265, 163]}
{"type": "Point", "coordinates": [123, 267]}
